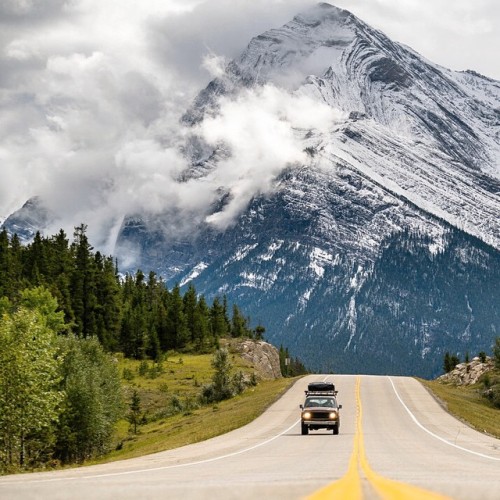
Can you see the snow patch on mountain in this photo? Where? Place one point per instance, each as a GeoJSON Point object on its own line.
{"type": "Point", "coordinates": [241, 253]}
{"type": "Point", "coordinates": [318, 259]}
{"type": "Point", "coordinates": [271, 250]}
{"type": "Point", "coordinates": [259, 281]}
{"type": "Point", "coordinates": [195, 272]}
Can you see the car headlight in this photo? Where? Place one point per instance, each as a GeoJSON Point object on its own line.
{"type": "Point", "coordinates": [333, 415]}
{"type": "Point", "coordinates": [306, 415]}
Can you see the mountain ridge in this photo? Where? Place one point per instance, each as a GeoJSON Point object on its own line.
{"type": "Point", "coordinates": [408, 179]}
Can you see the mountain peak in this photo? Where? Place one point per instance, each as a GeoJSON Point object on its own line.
{"type": "Point", "coordinates": [284, 56]}
{"type": "Point", "coordinates": [323, 11]}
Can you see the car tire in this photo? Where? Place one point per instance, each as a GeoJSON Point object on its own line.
{"type": "Point", "coordinates": [304, 430]}
{"type": "Point", "coordinates": [335, 429]}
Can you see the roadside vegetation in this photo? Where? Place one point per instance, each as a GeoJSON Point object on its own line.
{"type": "Point", "coordinates": [92, 362]}
{"type": "Point", "coordinates": [170, 413]}
{"type": "Point", "coordinates": [468, 404]}
{"type": "Point", "coordinates": [476, 404]}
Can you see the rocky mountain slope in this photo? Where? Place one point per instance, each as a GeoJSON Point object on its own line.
{"type": "Point", "coordinates": [382, 249]}
{"type": "Point", "coordinates": [468, 373]}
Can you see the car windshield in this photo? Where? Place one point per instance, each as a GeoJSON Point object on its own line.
{"type": "Point", "coordinates": [315, 402]}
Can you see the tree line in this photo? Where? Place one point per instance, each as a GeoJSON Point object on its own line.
{"type": "Point", "coordinates": [134, 314]}
{"type": "Point", "coordinates": [290, 366]}
{"type": "Point", "coordinates": [451, 360]}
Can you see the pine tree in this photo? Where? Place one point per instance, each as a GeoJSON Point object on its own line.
{"type": "Point", "coordinates": [297, 368]}
{"type": "Point", "coordinates": [161, 319]}
{"type": "Point", "coordinates": [218, 323]}
{"type": "Point", "coordinates": [203, 340]}
{"type": "Point", "coordinates": [83, 284]}
{"type": "Point", "coordinates": [239, 326]}
{"type": "Point", "coordinates": [35, 264]}
{"type": "Point", "coordinates": [135, 410]}
{"type": "Point", "coordinates": [59, 269]}
{"type": "Point", "coordinates": [177, 324]}
{"type": "Point", "coordinates": [190, 301]}
{"type": "Point", "coordinates": [221, 386]}
{"type": "Point", "coordinates": [5, 285]}
{"type": "Point", "coordinates": [16, 280]}
{"type": "Point", "coordinates": [259, 332]}
{"type": "Point", "coordinates": [447, 362]}
{"type": "Point", "coordinates": [108, 307]}
{"type": "Point", "coordinates": [226, 313]}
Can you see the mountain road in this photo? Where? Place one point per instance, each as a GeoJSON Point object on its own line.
{"type": "Point", "coordinates": [395, 441]}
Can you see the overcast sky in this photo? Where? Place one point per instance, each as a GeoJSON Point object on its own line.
{"type": "Point", "coordinates": [91, 91]}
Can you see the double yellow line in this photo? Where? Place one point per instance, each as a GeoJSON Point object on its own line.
{"type": "Point", "coordinates": [350, 486]}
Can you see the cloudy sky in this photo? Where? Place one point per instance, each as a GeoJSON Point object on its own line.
{"type": "Point", "coordinates": [91, 92]}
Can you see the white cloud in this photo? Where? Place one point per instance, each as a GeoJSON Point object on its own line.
{"type": "Point", "coordinates": [261, 128]}
{"type": "Point", "coordinates": [91, 93]}
{"type": "Point", "coordinates": [214, 64]}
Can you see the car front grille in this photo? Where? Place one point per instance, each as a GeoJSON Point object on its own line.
{"type": "Point", "coordinates": [320, 415]}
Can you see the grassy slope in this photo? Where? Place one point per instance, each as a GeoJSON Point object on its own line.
{"type": "Point", "coordinates": [467, 404]}
{"type": "Point", "coordinates": [182, 377]}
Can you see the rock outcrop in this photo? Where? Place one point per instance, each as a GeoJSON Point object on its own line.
{"type": "Point", "coordinates": [263, 356]}
{"type": "Point", "coordinates": [468, 373]}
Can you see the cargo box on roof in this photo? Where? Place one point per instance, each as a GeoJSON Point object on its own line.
{"type": "Point", "coordinates": [321, 387]}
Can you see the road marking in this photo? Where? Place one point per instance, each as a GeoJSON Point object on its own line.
{"type": "Point", "coordinates": [164, 467]}
{"type": "Point", "coordinates": [435, 435]}
{"type": "Point", "coordinates": [387, 488]}
{"type": "Point", "coordinates": [350, 487]}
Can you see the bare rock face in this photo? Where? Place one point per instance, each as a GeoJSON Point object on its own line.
{"type": "Point", "coordinates": [264, 357]}
{"type": "Point", "coordinates": [468, 373]}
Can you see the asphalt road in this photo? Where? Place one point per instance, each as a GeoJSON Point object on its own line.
{"type": "Point", "coordinates": [394, 438]}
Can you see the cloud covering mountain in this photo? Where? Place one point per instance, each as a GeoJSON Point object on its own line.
{"type": "Point", "coordinates": [92, 93]}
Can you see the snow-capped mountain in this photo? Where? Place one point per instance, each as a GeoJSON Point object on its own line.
{"type": "Point", "coordinates": [372, 255]}
{"type": "Point", "coordinates": [33, 216]}
{"type": "Point", "coordinates": [382, 250]}
{"type": "Point", "coordinates": [426, 133]}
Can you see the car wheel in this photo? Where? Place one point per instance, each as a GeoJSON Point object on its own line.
{"type": "Point", "coordinates": [305, 430]}
{"type": "Point", "coordinates": [335, 430]}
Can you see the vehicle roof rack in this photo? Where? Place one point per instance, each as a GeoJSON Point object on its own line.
{"type": "Point", "coordinates": [320, 387]}
{"type": "Point", "coordinates": [321, 393]}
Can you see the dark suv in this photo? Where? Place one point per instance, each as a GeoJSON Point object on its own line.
{"type": "Point", "coordinates": [320, 409]}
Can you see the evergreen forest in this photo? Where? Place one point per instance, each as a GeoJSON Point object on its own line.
{"type": "Point", "coordinates": [64, 311]}
{"type": "Point", "coordinates": [133, 314]}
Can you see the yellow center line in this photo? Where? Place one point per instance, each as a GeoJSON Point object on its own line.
{"type": "Point", "coordinates": [349, 486]}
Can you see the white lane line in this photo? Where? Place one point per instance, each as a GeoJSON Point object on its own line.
{"type": "Point", "coordinates": [175, 466]}
{"type": "Point", "coordinates": [435, 435]}
{"type": "Point", "coordinates": [138, 471]}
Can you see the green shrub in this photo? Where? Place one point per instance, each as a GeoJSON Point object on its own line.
{"type": "Point", "coordinates": [143, 368]}
{"type": "Point", "coordinates": [238, 382]}
{"type": "Point", "coordinates": [128, 374]}
{"type": "Point", "coordinates": [494, 395]}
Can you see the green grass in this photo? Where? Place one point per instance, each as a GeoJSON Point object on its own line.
{"type": "Point", "coordinates": [200, 424]}
{"type": "Point", "coordinates": [182, 377]}
{"type": "Point", "coordinates": [467, 404]}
